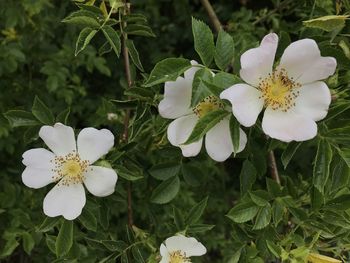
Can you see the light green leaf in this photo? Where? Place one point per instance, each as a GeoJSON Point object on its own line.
{"type": "Point", "coordinates": [19, 118]}
{"type": "Point", "coordinates": [203, 41]}
{"type": "Point", "coordinates": [224, 50]}
{"type": "Point", "coordinates": [196, 212]}
{"type": "Point", "coordinates": [28, 242]}
{"type": "Point", "coordinates": [84, 39]}
{"type": "Point", "coordinates": [327, 23]}
{"type": "Point", "coordinates": [42, 112]}
{"type": "Point", "coordinates": [263, 217]}
{"type": "Point", "coordinates": [82, 18]}
{"type": "Point", "coordinates": [243, 212]}
{"type": "Point", "coordinates": [127, 174]}
{"type": "Point", "coordinates": [167, 70]}
{"type": "Point", "coordinates": [205, 123]}
{"type": "Point", "coordinates": [166, 191]}
{"type": "Point", "coordinates": [134, 54]}
{"type": "Point", "coordinates": [113, 38]}
{"type": "Point", "coordinates": [322, 163]}
{"type": "Point", "coordinates": [275, 250]}
{"type": "Point", "coordinates": [64, 239]}
{"type": "Point", "coordinates": [199, 89]}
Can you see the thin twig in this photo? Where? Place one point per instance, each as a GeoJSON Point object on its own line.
{"type": "Point", "coordinates": [212, 15]}
{"type": "Point", "coordinates": [127, 113]}
{"type": "Point", "coordinates": [273, 167]}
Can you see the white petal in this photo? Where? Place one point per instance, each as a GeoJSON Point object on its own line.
{"type": "Point", "coordinates": [100, 181]}
{"type": "Point", "coordinates": [288, 126]}
{"type": "Point", "coordinates": [34, 177]}
{"type": "Point", "coordinates": [257, 62]}
{"type": "Point", "coordinates": [93, 143]}
{"type": "Point", "coordinates": [178, 132]}
{"type": "Point", "coordinates": [163, 250]}
{"type": "Point", "coordinates": [218, 142]}
{"type": "Point", "coordinates": [302, 60]}
{"type": "Point", "coordinates": [64, 200]}
{"type": "Point", "coordinates": [246, 103]}
{"type": "Point", "coordinates": [188, 245]}
{"type": "Point", "coordinates": [38, 158]}
{"type": "Point", "coordinates": [189, 74]}
{"type": "Point", "coordinates": [59, 138]}
{"type": "Point", "coordinates": [177, 98]}
{"type": "Point", "coordinates": [313, 100]}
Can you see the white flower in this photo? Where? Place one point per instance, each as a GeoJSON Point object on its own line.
{"type": "Point", "coordinates": [69, 164]}
{"type": "Point", "coordinates": [179, 249]}
{"type": "Point", "coordinates": [293, 95]}
{"type": "Point", "coordinates": [177, 105]}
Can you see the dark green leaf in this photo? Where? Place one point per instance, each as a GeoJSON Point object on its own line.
{"type": "Point", "coordinates": [205, 123]}
{"type": "Point", "coordinates": [321, 166]}
{"type": "Point", "coordinates": [134, 54]}
{"type": "Point", "coordinates": [224, 50]}
{"type": "Point", "coordinates": [84, 39]}
{"type": "Point", "coordinates": [19, 118]}
{"type": "Point", "coordinates": [263, 217]}
{"type": "Point", "coordinates": [166, 191]}
{"type": "Point", "coordinates": [235, 133]}
{"type": "Point", "coordinates": [42, 112]}
{"type": "Point", "coordinates": [48, 224]}
{"type": "Point", "coordinates": [289, 152]}
{"type": "Point", "coordinates": [167, 70]}
{"type": "Point", "coordinates": [203, 41]}
{"type": "Point", "coordinates": [196, 212]}
{"type": "Point", "coordinates": [88, 220]}
{"type": "Point", "coordinates": [82, 18]}
{"type": "Point", "coordinates": [139, 30]}
{"type": "Point", "coordinates": [243, 212]}
{"type": "Point", "coordinates": [63, 116]}
{"type": "Point", "coordinates": [165, 171]}
{"type": "Point", "coordinates": [247, 176]}
{"type": "Point", "coordinates": [113, 38]}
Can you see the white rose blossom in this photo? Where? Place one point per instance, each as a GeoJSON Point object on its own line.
{"type": "Point", "coordinates": [292, 94]}
{"type": "Point", "coordinates": [179, 249]}
{"type": "Point", "coordinates": [176, 104]}
{"type": "Point", "coordinates": [70, 165]}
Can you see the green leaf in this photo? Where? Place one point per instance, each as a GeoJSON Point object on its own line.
{"type": "Point", "coordinates": [275, 250]}
{"type": "Point", "coordinates": [260, 197]}
{"type": "Point", "coordinates": [263, 217]}
{"type": "Point", "coordinates": [327, 23]}
{"type": "Point", "coordinates": [9, 247]}
{"type": "Point", "coordinates": [104, 49]}
{"type": "Point", "coordinates": [20, 118]}
{"type": "Point", "coordinates": [64, 239]}
{"type": "Point", "coordinates": [247, 177]}
{"type": "Point", "coordinates": [277, 211]}
{"type": "Point", "coordinates": [178, 218]}
{"type": "Point", "coordinates": [289, 152]}
{"type": "Point", "coordinates": [321, 166]}
{"type": "Point", "coordinates": [235, 133]}
{"type": "Point", "coordinates": [199, 88]}
{"type": "Point", "coordinates": [196, 212]}
{"type": "Point", "coordinates": [48, 224]}
{"type": "Point", "coordinates": [134, 54]}
{"type": "Point", "coordinates": [88, 220]}
{"type": "Point", "coordinates": [205, 123]}
{"type": "Point", "coordinates": [317, 198]}
{"type": "Point", "coordinates": [203, 41]}
{"type": "Point", "coordinates": [243, 212]}
{"type": "Point", "coordinates": [224, 50]}
{"type": "Point", "coordinates": [167, 70]}
{"type": "Point", "coordinates": [164, 171]}
{"type": "Point", "coordinates": [113, 38]}
{"type": "Point", "coordinates": [63, 116]}
{"type": "Point", "coordinates": [225, 80]}
{"type": "Point", "coordinates": [84, 39]}
{"type": "Point", "coordinates": [125, 104]}
{"type": "Point", "coordinates": [42, 112]}
{"type": "Point", "coordinates": [345, 155]}
{"type": "Point", "coordinates": [114, 245]}
{"type": "Point", "coordinates": [139, 30]}
{"type": "Point", "coordinates": [340, 175]}
{"type": "Point", "coordinates": [199, 228]}
{"type": "Point", "coordinates": [339, 203]}
{"type": "Point", "coordinates": [127, 174]}
{"type": "Point", "coordinates": [82, 18]}
{"type": "Point", "coordinates": [166, 191]}
{"type": "Point", "coordinates": [28, 242]}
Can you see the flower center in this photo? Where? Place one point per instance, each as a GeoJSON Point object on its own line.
{"type": "Point", "coordinates": [70, 168]}
{"type": "Point", "coordinates": [208, 104]}
{"type": "Point", "coordinates": [178, 257]}
{"type": "Point", "coordinates": [279, 91]}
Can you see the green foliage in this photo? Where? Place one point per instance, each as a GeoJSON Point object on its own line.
{"type": "Point", "coordinates": [59, 62]}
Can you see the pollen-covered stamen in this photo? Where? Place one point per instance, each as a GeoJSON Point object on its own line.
{"type": "Point", "coordinates": [279, 91]}
{"type": "Point", "coordinates": [69, 168]}
{"type": "Point", "coordinates": [178, 257]}
{"type": "Point", "coordinates": [207, 105]}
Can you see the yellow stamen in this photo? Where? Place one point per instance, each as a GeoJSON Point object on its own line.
{"type": "Point", "coordinates": [178, 257]}
{"type": "Point", "coordinates": [70, 168]}
{"type": "Point", "coordinates": [279, 91]}
{"type": "Point", "coordinates": [207, 105]}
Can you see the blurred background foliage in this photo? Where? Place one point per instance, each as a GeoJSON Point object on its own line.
{"type": "Point", "coordinates": [267, 221]}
